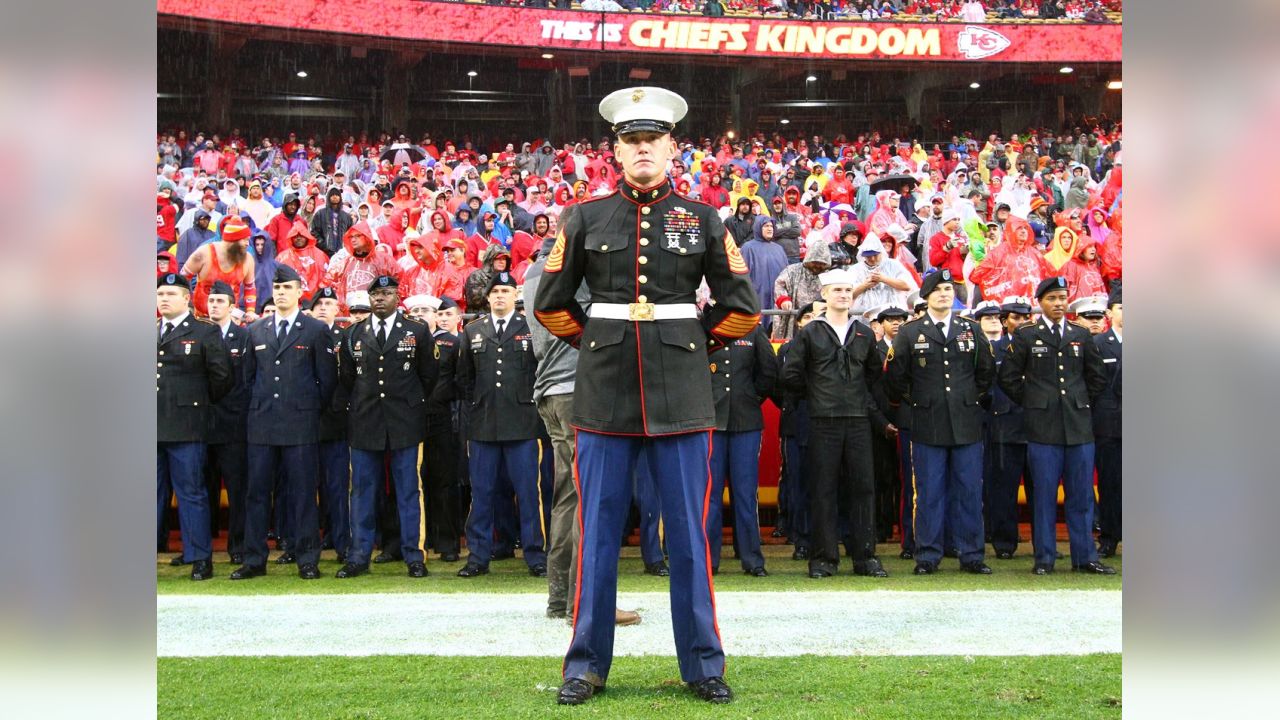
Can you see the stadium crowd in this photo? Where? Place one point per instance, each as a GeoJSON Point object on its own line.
{"type": "Point", "coordinates": [336, 236]}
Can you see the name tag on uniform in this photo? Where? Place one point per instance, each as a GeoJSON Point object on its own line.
{"type": "Point", "coordinates": [1075, 349]}
{"type": "Point", "coordinates": [1109, 360]}
{"type": "Point", "coordinates": [259, 347]}
{"type": "Point", "coordinates": [477, 343]}
{"type": "Point", "coordinates": [921, 346]}
{"type": "Point", "coordinates": [1039, 350]}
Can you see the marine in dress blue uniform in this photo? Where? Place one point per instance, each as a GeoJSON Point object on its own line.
{"type": "Point", "coordinates": [495, 374]}
{"type": "Point", "coordinates": [743, 374]}
{"type": "Point", "coordinates": [293, 371]}
{"type": "Point", "coordinates": [942, 365]}
{"type": "Point", "coordinates": [388, 366]}
{"type": "Point", "coordinates": [1054, 371]}
{"type": "Point", "coordinates": [192, 373]}
{"type": "Point", "coordinates": [642, 384]}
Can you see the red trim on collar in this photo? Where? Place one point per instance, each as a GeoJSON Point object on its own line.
{"type": "Point", "coordinates": [638, 196]}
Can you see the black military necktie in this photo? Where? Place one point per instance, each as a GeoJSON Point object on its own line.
{"type": "Point", "coordinates": [942, 329]}
{"type": "Point", "coordinates": [284, 329]}
{"type": "Point", "coordinates": [502, 325]}
{"type": "Point", "coordinates": [164, 333]}
{"type": "Point", "coordinates": [1057, 333]}
{"type": "Point", "coordinates": [382, 332]}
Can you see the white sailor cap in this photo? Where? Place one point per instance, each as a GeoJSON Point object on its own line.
{"type": "Point", "coordinates": [643, 109]}
{"type": "Point", "coordinates": [985, 308]}
{"type": "Point", "coordinates": [1095, 305]}
{"type": "Point", "coordinates": [837, 277]}
{"type": "Point", "coordinates": [358, 300]}
{"type": "Point", "coordinates": [422, 300]}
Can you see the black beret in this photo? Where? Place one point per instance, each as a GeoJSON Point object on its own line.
{"type": "Point", "coordinates": [220, 287]}
{"type": "Point", "coordinates": [173, 279]}
{"type": "Point", "coordinates": [1050, 284]}
{"type": "Point", "coordinates": [285, 274]}
{"type": "Point", "coordinates": [502, 278]}
{"type": "Point", "coordinates": [322, 294]}
{"type": "Point", "coordinates": [933, 280]}
{"type": "Point", "coordinates": [383, 281]}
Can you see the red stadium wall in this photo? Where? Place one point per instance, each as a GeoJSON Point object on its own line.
{"type": "Point", "coordinates": [634, 32]}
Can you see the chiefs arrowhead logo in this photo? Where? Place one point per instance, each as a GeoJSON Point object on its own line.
{"type": "Point", "coordinates": [976, 43]}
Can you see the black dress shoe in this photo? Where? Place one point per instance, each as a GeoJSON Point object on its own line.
{"type": "Point", "coordinates": [977, 567]}
{"type": "Point", "coordinates": [286, 558]}
{"type": "Point", "coordinates": [924, 568]}
{"type": "Point", "coordinates": [1042, 569]}
{"type": "Point", "coordinates": [1004, 554]}
{"type": "Point", "coordinates": [244, 572]}
{"type": "Point", "coordinates": [350, 570]}
{"type": "Point", "coordinates": [870, 568]}
{"type": "Point", "coordinates": [473, 570]}
{"type": "Point", "coordinates": [576, 691]}
{"type": "Point", "coordinates": [757, 572]}
{"type": "Point", "coordinates": [818, 571]}
{"type": "Point", "coordinates": [309, 572]}
{"type": "Point", "coordinates": [907, 555]}
{"type": "Point", "coordinates": [1095, 568]}
{"type": "Point", "coordinates": [1106, 549]}
{"type": "Point", "coordinates": [503, 555]}
{"type": "Point", "coordinates": [418, 569]}
{"type": "Point", "coordinates": [387, 556]}
{"type": "Point", "coordinates": [237, 558]}
{"type": "Point", "coordinates": [201, 570]}
{"type": "Point", "coordinates": [658, 569]}
{"type": "Point", "coordinates": [713, 690]}
{"type": "Point", "coordinates": [177, 561]}
{"type": "Point", "coordinates": [539, 570]}
{"type": "Point", "coordinates": [449, 557]}
{"type": "Point", "coordinates": [800, 553]}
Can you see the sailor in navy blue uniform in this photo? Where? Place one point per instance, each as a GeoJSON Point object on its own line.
{"type": "Point", "coordinates": [942, 365]}
{"type": "Point", "coordinates": [192, 373]}
{"type": "Point", "coordinates": [293, 370]}
{"type": "Point", "coordinates": [1054, 371]}
{"type": "Point", "coordinates": [642, 384]}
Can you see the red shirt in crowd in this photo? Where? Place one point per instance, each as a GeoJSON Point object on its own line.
{"type": "Point", "coordinates": [940, 257]}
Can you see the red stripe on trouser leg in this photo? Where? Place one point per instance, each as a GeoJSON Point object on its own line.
{"type": "Point", "coordinates": [577, 591]}
{"type": "Point", "coordinates": [706, 544]}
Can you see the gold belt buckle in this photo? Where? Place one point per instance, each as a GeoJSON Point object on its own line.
{"type": "Point", "coordinates": [640, 312]}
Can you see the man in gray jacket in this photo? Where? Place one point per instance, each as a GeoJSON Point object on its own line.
{"type": "Point", "coordinates": [553, 392]}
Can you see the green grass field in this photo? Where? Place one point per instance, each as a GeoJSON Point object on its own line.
{"type": "Point", "coordinates": [367, 688]}
{"type": "Point", "coordinates": [511, 576]}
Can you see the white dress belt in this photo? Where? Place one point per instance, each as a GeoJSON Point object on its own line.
{"type": "Point", "coordinates": [644, 312]}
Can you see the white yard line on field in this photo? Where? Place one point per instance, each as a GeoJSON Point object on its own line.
{"type": "Point", "coordinates": [1054, 622]}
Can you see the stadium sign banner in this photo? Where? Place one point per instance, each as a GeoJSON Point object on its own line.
{"type": "Point", "coordinates": [456, 22]}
